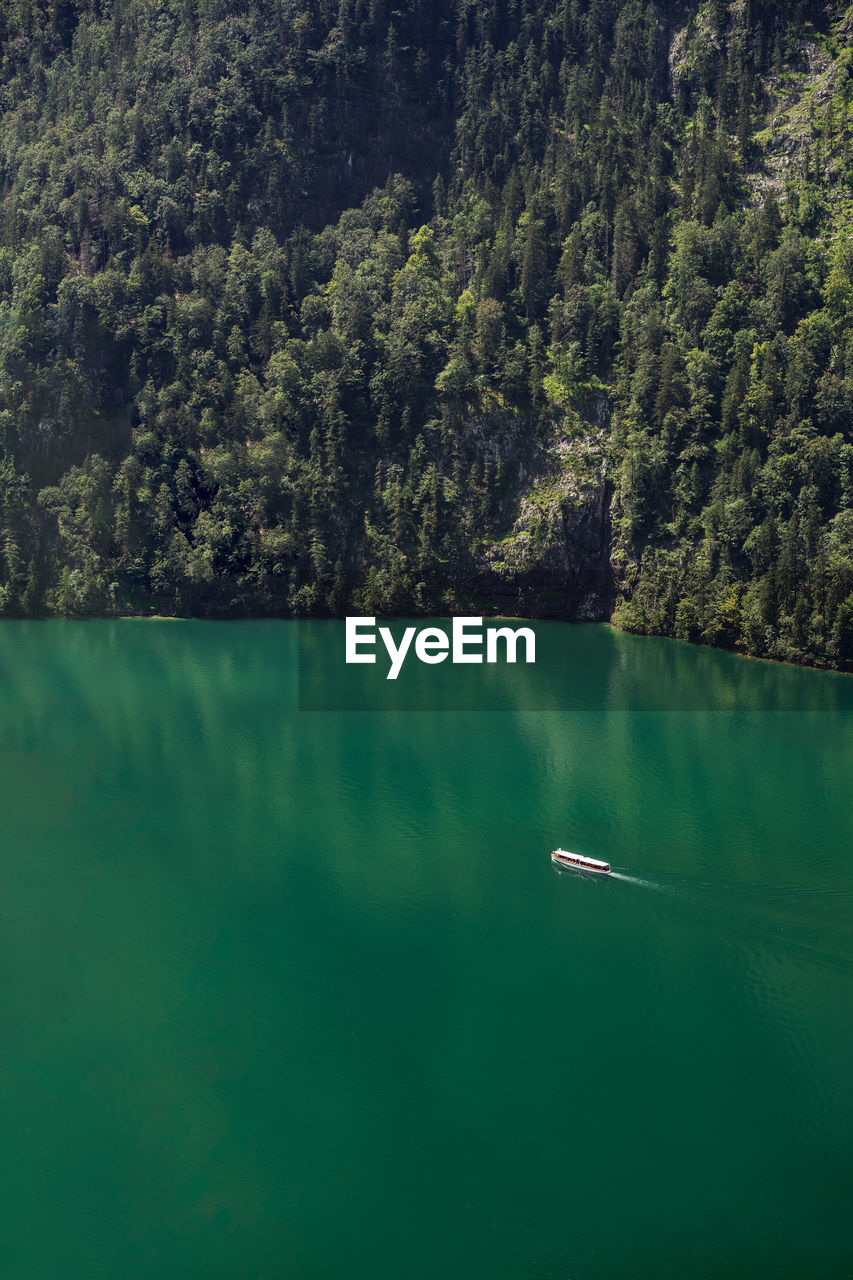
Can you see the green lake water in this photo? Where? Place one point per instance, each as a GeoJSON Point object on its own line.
{"type": "Point", "coordinates": [298, 993]}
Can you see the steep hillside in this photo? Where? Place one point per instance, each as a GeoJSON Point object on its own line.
{"type": "Point", "coordinates": [530, 308]}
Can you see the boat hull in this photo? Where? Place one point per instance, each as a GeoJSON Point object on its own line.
{"type": "Point", "coordinates": [594, 867]}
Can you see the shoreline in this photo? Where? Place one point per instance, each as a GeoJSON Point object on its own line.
{"type": "Point", "coordinates": [496, 617]}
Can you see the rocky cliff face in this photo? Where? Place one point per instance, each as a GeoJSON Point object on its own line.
{"type": "Point", "coordinates": [554, 561]}
{"type": "Point", "coordinates": [809, 129]}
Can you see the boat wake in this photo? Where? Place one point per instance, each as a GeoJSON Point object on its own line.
{"type": "Point", "coordinates": [753, 916]}
{"type": "Point", "coordinates": [640, 880]}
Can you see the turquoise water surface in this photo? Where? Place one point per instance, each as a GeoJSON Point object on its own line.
{"type": "Point", "coordinates": [298, 992]}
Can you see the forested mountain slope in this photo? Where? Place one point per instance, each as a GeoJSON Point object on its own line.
{"type": "Point", "coordinates": [494, 304]}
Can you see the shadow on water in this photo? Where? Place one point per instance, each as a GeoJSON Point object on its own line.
{"type": "Point", "coordinates": [577, 668]}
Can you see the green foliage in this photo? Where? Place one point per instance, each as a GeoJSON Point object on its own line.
{"type": "Point", "coordinates": [291, 296]}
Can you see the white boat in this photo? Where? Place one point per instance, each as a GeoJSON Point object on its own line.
{"type": "Point", "coordinates": [579, 862]}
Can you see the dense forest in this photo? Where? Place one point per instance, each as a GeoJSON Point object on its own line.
{"type": "Point", "coordinates": [403, 306]}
